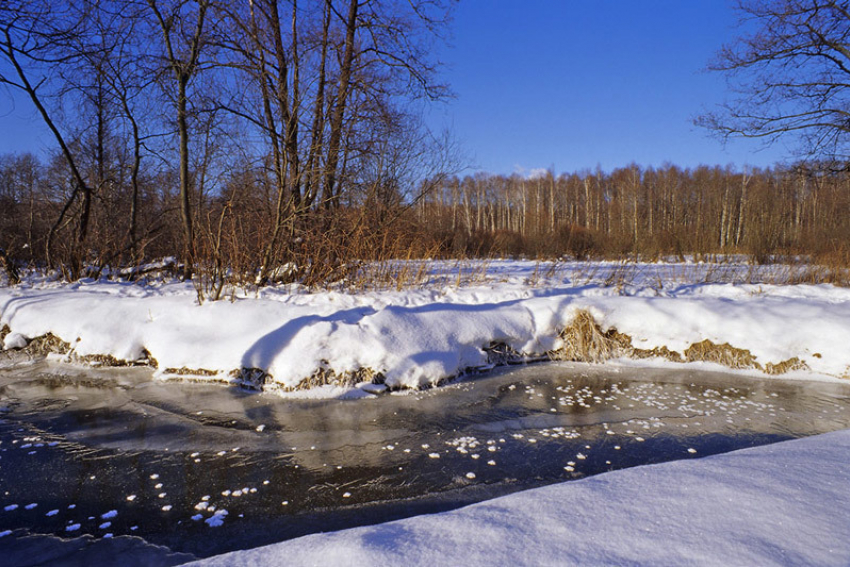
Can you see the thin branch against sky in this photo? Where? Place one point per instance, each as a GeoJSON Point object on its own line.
{"type": "Point", "coordinates": [562, 85]}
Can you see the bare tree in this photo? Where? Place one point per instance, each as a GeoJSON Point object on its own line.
{"type": "Point", "coordinates": [181, 25]}
{"type": "Point", "coordinates": [791, 75]}
{"type": "Point", "coordinates": [36, 39]}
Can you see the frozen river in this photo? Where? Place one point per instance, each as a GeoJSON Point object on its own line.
{"type": "Point", "coordinates": [99, 465]}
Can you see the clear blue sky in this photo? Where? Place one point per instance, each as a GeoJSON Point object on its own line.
{"type": "Point", "coordinates": [576, 84]}
{"type": "Point", "coordinates": [569, 84]}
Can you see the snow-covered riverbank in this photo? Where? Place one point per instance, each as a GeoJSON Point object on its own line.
{"type": "Point", "coordinates": [781, 504]}
{"type": "Point", "coordinates": [420, 336]}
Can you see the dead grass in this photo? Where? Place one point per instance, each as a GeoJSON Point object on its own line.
{"type": "Point", "coordinates": [819, 274]}
{"type": "Point", "coordinates": [326, 376]}
{"type": "Point", "coordinates": [47, 344]}
{"type": "Point", "coordinates": [785, 366]}
{"type": "Point", "coordinates": [107, 360]}
{"type": "Point", "coordinates": [259, 379]}
{"type": "Point", "coordinates": [51, 344]}
{"type": "Point", "coordinates": [183, 371]}
{"type": "Point", "coordinates": [725, 354]}
{"type": "Point", "coordinates": [641, 353]}
{"type": "Point", "coordinates": [584, 341]}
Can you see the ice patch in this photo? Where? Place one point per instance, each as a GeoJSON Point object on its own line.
{"type": "Point", "coordinates": [216, 519]}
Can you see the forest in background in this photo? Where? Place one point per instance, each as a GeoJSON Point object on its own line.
{"type": "Point", "coordinates": [631, 212]}
{"type": "Point", "coordinates": [277, 142]}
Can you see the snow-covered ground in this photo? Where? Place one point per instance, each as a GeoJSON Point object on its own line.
{"type": "Point", "coordinates": [438, 329]}
{"type": "Point", "coordinates": [784, 504]}
{"type": "Point", "coordinates": [781, 504]}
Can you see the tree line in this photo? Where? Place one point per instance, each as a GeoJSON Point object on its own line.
{"type": "Point", "coordinates": [646, 212]}
{"type": "Point", "coordinates": [630, 212]}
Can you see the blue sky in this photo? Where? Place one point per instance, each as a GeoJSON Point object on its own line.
{"type": "Point", "coordinates": [564, 84]}
{"type": "Point", "coordinates": [576, 84]}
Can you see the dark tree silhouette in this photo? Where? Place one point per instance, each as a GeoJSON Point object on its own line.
{"type": "Point", "coordinates": [790, 75]}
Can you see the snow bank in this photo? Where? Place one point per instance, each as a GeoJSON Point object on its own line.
{"type": "Point", "coordinates": [782, 504]}
{"type": "Point", "coordinates": [421, 336]}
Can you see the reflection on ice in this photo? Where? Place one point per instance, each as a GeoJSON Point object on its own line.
{"type": "Point", "coordinates": [110, 455]}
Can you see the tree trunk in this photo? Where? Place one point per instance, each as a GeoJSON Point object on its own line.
{"type": "Point", "coordinates": [329, 194]}
{"type": "Point", "coordinates": [185, 182]}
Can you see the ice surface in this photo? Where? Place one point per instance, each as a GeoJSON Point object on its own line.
{"type": "Point", "coordinates": [784, 504]}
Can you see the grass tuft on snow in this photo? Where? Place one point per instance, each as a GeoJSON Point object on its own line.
{"type": "Point", "coordinates": [584, 341]}
{"type": "Point", "coordinates": [724, 354]}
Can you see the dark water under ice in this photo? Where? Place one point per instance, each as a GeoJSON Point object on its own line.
{"type": "Point", "coordinates": [99, 466]}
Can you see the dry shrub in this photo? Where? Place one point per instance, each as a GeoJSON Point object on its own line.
{"type": "Point", "coordinates": [51, 344]}
{"type": "Point", "coordinates": [500, 354]}
{"type": "Point", "coordinates": [259, 379]}
{"type": "Point", "coordinates": [829, 265]}
{"type": "Point", "coordinates": [103, 360]}
{"type": "Point", "coordinates": [324, 376]}
{"type": "Point", "coordinates": [184, 371]}
{"type": "Point", "coordinates": [584, 341]}
{"type": "Point", "coordinates": [580, 242]}
{"type": "Point", "coordinates": [622, 275]}
{"type": "Point", "coordinates": [658, 352]}
{"type": "Point", "coordinates": [251, 378]}
{"type": "Point", "coordinates": [47, 344]}
{"type": "Point", "coordinates": [504, 243]}
{"type": "Point", "coordinates": [725, 354]}
{"type": "Point", "coordinates": [145, 359]}
{"type": "Point", "coordinates": [785, 366]}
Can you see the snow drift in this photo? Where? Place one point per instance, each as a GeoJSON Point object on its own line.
{"type": "Point", "coordinates": [419, 337]}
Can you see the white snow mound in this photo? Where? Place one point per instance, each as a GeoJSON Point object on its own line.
{"type": "Point", "coordinates": [421, 336]}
